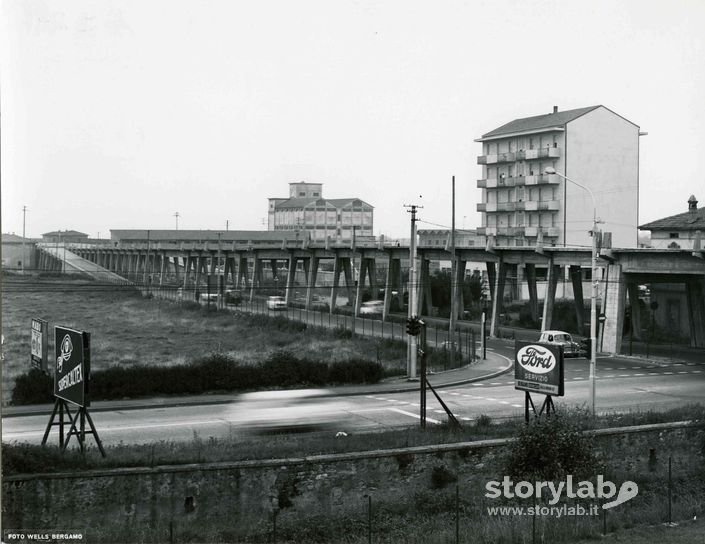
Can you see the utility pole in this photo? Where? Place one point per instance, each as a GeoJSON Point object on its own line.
{"type": "Point", "coordinates": [177, 220]}
{"type": "Point", "coordinates": [227, 224]}
{"type": "Point", "coordinates": [454, 278]}
{"type": "Point", "coordinates": [413, 310]}
{"type": "Point", "coordinates": [24, 212]}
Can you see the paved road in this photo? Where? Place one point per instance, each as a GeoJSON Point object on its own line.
{"type": "Point", "coordinates": [622, 385]}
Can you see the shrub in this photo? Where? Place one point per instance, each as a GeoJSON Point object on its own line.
{"type": "Point", "coordinates": [34, 387]}
{"type": "Point", "coordinates": [550, 449]}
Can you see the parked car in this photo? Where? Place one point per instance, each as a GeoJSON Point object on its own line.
{"type": "Point", "coordinates": [276, 303]}
{"type": "Point", "coordinates": [372, 307]}
{"type": "Point", "coordinates": [233, 297]}
{"type": "Point", "coordinates": [571, 348]}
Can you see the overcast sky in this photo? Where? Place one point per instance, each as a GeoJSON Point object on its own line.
{"type": "Point", "coordinates": [119, 114]}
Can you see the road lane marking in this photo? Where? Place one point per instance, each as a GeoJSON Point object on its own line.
{"type": "Point", "coordinates": [414, 415]}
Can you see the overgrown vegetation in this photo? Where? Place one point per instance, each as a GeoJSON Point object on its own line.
{"type": "Point", "coordinates": [215, 373]}
{"type": "Point", "coordinates": [552, 448]}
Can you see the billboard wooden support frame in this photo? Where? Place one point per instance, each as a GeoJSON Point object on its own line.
{"type": "Point", "coordinates": [78, 418]}
{"type": "Point", "coordinates": [547, 405]}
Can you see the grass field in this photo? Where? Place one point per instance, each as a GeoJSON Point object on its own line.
{"type": "Point", "coordinates": [127, 329]}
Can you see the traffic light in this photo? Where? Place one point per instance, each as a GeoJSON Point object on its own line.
{"type": "Point", "coordinates": [586, 344]}
{"type": "Point", "coordinates": [413, 326]}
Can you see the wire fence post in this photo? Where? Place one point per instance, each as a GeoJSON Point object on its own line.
{"type": "Point", "coordinates": [670, 519]}
{"type": "Point", "coordinates": [457, 514]}
{"type": "Point", "coordinates": [369, 519]}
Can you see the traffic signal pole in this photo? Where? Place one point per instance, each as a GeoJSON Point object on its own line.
{"type": "Point", "coordinates": [413, 310]}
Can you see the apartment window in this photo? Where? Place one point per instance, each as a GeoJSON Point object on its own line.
{"type": "Point", "coordinates": [674, 235]}
{"type": "Point", "coordinates": [316, 194]}
{"type": "Point", "coordinates": [520, 219]}
{"type": "Point", "coordinates": [531, 143]}
{"type": "Point", "coordinates": [520, 194]}
{"type": "Point", "coordinates": [301, 193]}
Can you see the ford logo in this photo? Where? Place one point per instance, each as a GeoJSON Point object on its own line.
{"type": "Point", "coordinates": [536, 359]}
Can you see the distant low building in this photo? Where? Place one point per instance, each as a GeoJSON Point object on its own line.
{"type": "Point", "coordinates": [669, 301]}
{"type": "Point", "coordinates": [678, 231]}
{"type": "Point", "coordinates": [68, 236]}
{"type": "Point", "coordinates": [17, 251]}
{"type": "Point", "coordinates": [255, 237]}
{"type": "Point", "coordinates": [339, 219]}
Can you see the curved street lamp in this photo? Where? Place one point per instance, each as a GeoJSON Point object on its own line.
{"type": "Point", "coordinates": [593, 295]}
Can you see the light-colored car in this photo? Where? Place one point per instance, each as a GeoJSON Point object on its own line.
{"type": "Point", "coordinates": [372, 307]}
{"type": "Point", "coordinates": [301, 410]}
{"type": "Point", "coordinates": [571, 348]}
{"type": "Point", "coordinates": [276, 303]}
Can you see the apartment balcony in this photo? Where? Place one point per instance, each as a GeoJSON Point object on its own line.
{"type": "Point", "coordinates": [542, 153]}
{"type": "Point", "coordinates": [542, 179]}
{"type": "Point", "coordinates": [506, 206]}
{"type": "Point", "coordinates": [535, 206]}
{"type": "Point", "coordinates": [547, 231]}
{"type": "Point", "coordinates": [497, 158]}
{"type": "Point", "coordinates": [510, 231]}
{"type": "Point", "coordinates": [482, 207]}
{"type": "Point", "coordinates": [493, 183]}
{"type": "Point", "coordinates": [550, 205]}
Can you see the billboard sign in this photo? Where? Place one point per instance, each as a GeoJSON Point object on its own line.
{"type": "Point", "coordinates": [538, 368]}
{"type": "Point", "coordinates": [39, 348]}
{"type": "Point", "coordinates": [72, 349]}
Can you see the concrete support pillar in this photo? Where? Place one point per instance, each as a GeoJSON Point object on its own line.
{"type": "Point", "coordinates": [424, 297]}
{"type": "Point", "coordinates": [290, 276]}
{"type": "Point", "coordinates": [393, 266]}
{"type": "Point", "coordinates": [177, 270]}
{"type": "Point", "coordinates": [358, 290]}
{"type": "Point", "coordinates": [243, 281]}
{"type": "Point", "coordinates": [372, 272]}
{"type": "Point", "coordinates": [256, 276]}
{"type": "Point", "coordinates": [188, 263]}
{"type": "Point", "coordinates": [458, 277]}
{"type": "Point", "coordinates": [695, 293]}
{"type": "Point", "coordinates": [338, 265]}
{"type": "Point", "coordinates": [229, 269]}
{"type": "Point", "coordinates": [497, 299]}
{"type": "Point", "coordinates": [577, 282]}
{"type": "Point", "coordinates": [163, 271]}
{"type": "Point", "coordinates": [311, 284]}
{"type": "Point", "coordinates": [633, 293]}
{"type": "Point", "coordinates": [533, 293]}
{"type": "Point", "coordinates": [613, 308]}
{"type": "Point", "coordinates": [554, 272]}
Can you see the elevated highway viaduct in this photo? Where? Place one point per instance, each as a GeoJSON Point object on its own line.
{"type": "Point", "coordinates": [357, 266]}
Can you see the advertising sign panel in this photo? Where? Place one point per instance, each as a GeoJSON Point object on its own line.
{"type": "Point", "coordinates": [538, 368]}
{"type": "Point", "coordinates": [39, 350]}
{"type": "Point", "coordinates": [73, 367]}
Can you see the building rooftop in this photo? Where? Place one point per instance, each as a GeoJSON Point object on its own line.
{"type": "Point", "coordinates": [693, 219]}
{"type": "Point", "coordinates": [538, 122]}
{"type": "Point", "coordinates": [202, 235]}
{"type": "Point", "coordinates": [302, 202]}
{"type": "Point", "coordinates": [65, 233]}
{"type": "Point", "coordinates": [13, 239]}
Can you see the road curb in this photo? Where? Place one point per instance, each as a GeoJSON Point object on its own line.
{"type": "Point", "coordinates": [38, 410]}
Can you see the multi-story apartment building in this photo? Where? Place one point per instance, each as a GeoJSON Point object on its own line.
{"type": "Point", "coordinates": [593, 146]}
{"type": "Point", "coordinates": [307, 210]}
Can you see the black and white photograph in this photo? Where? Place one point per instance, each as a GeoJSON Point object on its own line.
{"type": "Point", "coordinates": [352, 272]}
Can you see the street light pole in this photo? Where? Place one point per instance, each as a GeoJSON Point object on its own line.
{"type": "Point", "coordinates": [24, 213]}
{"type": "Point", "coordinates": [593, 295]}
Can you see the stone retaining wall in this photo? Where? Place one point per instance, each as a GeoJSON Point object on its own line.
{"type": "Point", "coordinates": [247, 493]}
